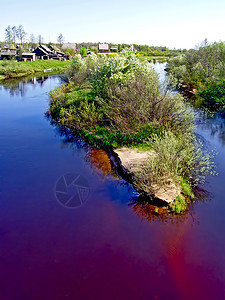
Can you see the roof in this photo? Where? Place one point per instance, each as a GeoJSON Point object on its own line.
{"type": "Point", "coordinates": [103, 47]}
{"type": "Point", "coordinates": [6, 51]}
{"type": "Point", "coordinates": [42, 49]}
{"type": "Point", "coordinates": [69, 45]}
{"type": "Point", "coordinates": [54, 48]}
{"type": "Point", "coordinates": [48, 50]}
{"type": "Point", "coordinates": [28, 53]}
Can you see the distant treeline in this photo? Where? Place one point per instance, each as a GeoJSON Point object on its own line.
{"type": "Point", "coordinates": [144, 50]}
{"type": "Point", "coordinates": [16, 36]}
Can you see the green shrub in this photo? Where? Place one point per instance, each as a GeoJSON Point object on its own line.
{"type": "Point", "coordinates": [179, 159]}
{"type": "Point", "coordinates": [200, 67]}
{"type": "Point", "coordinates": [214, 96]}
{"type": "Point", "coordinates": [179, 205]}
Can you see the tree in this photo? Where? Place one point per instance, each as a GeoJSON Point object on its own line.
{"type": "Point", "coordinates": [21, 34]}
{"type": "Point", "coordinates": [60, 40]}
{"type": "Point", "coordinates": [8, 35]}
{"type": "Point", "coordinates": [40, 39]}
{"type": "Point", "coordinates": [83, 51]}
{"type": "Point", "coordinates": [32, 41]}
{"type": "Point", "coordinates": [14, 34]}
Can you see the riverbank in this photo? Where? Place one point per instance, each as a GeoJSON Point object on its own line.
{"type": "Point", "coordinates": [116, 102]}
{"type": "Point", "coordinates": [201, 72]}
{"type": "Point", "coordinates": [14, 69]}
{"type": "Point", "coordinates": [154, 59]}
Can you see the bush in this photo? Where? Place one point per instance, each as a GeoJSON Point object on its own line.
{"type": "Point", "coordinates": [180, 159]}
{"type": "Point", "coordinates": [198, 68]}
{"type": "Point", "coordinates": [179, 205]}
{"type": "Point", "coordinates": [214, 96]}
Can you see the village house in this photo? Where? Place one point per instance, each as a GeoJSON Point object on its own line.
{"type": "Point", "coordinates": [27, 56]}
{"type": "Point", "coordinates": [70, 46]}
{"type": "Point", "coordinates": [114, 49]}
{"type": "Point", "coordinates": [7, 53]}
{"type": "Point", "coordinates": [56, 50]}
{"type": "Point", "coordinates": [45, 52]}
{"type": "Point", "coordinates": [103, 48]}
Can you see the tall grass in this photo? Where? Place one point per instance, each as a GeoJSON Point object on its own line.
{"type": "Point", "coordinates": [178, 159]}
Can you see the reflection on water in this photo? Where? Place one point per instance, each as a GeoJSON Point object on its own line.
{"type": "Point", "coordinates": [115, 246]}
{"type": "Point", "coordinates": [150, 212]}
{"type": "Point", "coordinates": [19, 86]}
{"type": "Point", "coordinates": [100, 160]}
{"type": "Point", "coordinates": [215, 125]}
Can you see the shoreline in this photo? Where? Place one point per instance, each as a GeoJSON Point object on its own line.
{"type": "Point", "coordinates": [14, 69]}
{"type": "Point", "coordinates": [126, 160]}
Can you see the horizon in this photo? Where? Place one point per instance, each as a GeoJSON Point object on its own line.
{"type": "Point", "coordinates": [175, 25]}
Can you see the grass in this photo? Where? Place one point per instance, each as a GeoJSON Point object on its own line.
{"type": "Point", "coordinates": [14, 69]}
{"type": "Point", "coordinates": [214, 96]}
{"type": "Point", "coordinates": [150, 58]}
{"type": "Point", "coordinates": [179, 205]}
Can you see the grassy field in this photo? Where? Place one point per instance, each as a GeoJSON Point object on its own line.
{"type": "Point", "coordinates": [153, 58]}
{"type": "Point", "coordinates": [14, 69]}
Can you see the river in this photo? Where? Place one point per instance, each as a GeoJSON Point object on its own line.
{"type": "Point", "coordinates": [92, 240]}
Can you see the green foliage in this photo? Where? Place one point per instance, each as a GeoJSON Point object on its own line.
{"type": "Point", "coordinates": [81, 68]}
{"type": "Point", "coordinates": [13, 69]}
{"type": "Point", "coordinates": [186, 189]}
{"type": "Point", "coordinates": [207, 62]}
{"type": "Point", "coordinates": [179, 205]}
{"type": "Point", "coordinates": [119, 70]}
{"type": "Point", "coordinates": [204, 69]}
{"type": "Point", "coordinates": [116, 101]}
{"type": "Point", "coordinates": [177, 158]}
{"type": "Point", "coordinates": [214, 96]}
{"type": "Point", "coordinates": [83, 51]}
{"type": "Point", "coordinates": [69, 51]}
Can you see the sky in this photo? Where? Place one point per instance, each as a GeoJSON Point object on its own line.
{"type": "Point", "coordinates": [172, 23]}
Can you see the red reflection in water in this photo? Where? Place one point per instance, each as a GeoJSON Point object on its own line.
{"type": "Point", "coordinates": [106, 249]}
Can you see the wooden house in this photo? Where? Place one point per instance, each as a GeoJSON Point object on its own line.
{"type": "Point", "coordinates": [7, 53]}
{"type": "Point", "coordinates": [51, 52]}
{"type": "Point", "coordinates": [70, 46]}
{"type": "Point", "coordinates": [114, 49]}
{"type": "Point", "coordinates": [43, 52]}
{"type": "Point", "coordinates": [58, 53]}
{"type": "Point", "coordinates": [103, 48]}
{"type": "Point", "coordinates": [27, 56]}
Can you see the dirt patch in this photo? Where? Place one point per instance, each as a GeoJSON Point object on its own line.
{"type": "Point", "coordinates": [131, 158]}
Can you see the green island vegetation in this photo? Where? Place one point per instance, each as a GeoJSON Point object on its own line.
{"type": "Point", "coordinates": [115, 101]}
{"type": "Point", "coordinates": [203, 70]}
{"type": "Point", "coordinates": [15, 69]}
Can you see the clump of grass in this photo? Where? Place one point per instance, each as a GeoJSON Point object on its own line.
{"type": "Point", "coordinates": [187, 189]}
{"type": "Point", "coordinates": [179, 205]}
{"type": "Point", "coordinates": [177, 158]}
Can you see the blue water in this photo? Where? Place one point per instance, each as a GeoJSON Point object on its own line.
{"type": "Point", "coordinates": [107, 247]}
